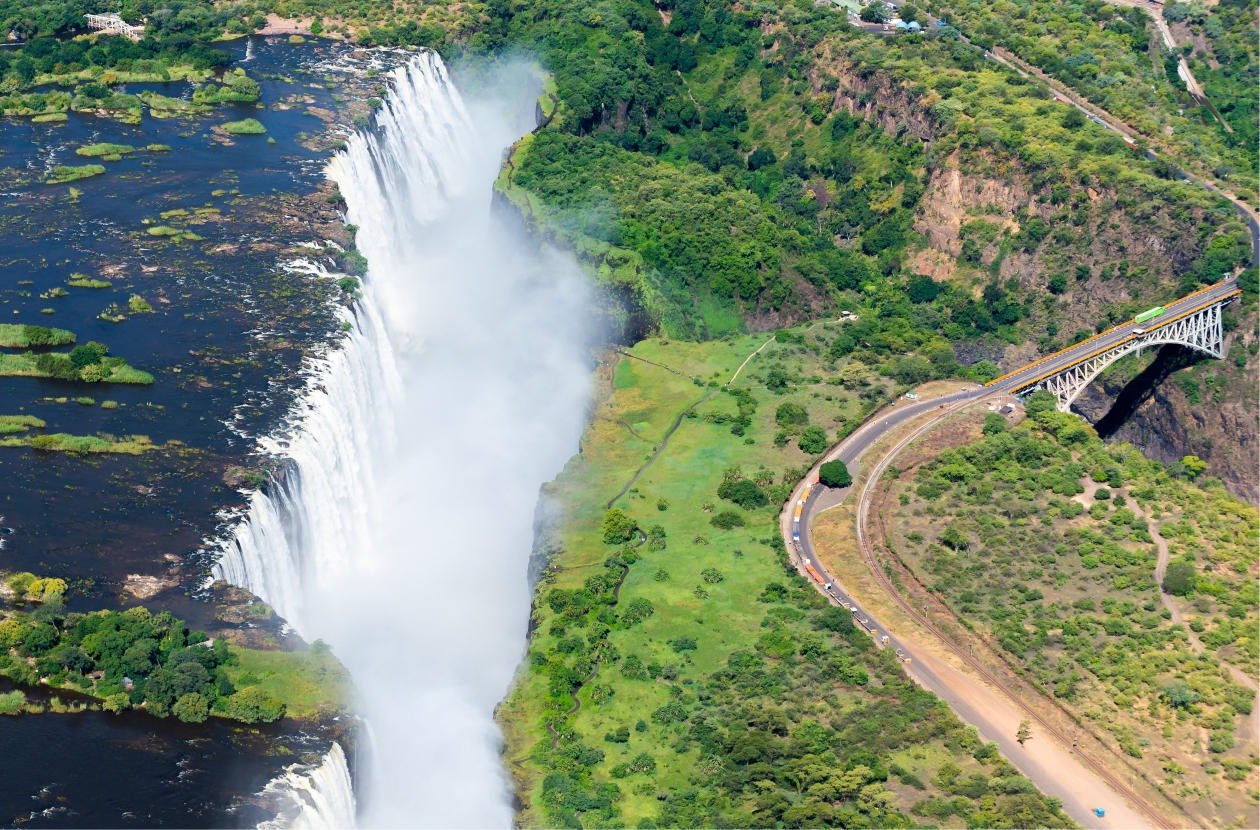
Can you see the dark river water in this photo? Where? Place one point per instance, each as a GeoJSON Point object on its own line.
{"type": "Point", "coordinates": [225, 344]}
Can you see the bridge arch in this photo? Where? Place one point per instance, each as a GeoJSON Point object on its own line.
{"type": "Point", "coordinates": [1200, 330]}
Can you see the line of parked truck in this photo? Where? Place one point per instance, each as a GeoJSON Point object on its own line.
{"type": "Point", "coordinates": [828, 588]}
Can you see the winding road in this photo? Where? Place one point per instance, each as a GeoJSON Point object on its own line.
{"type": "Point", "coordinates": [1055, 764]}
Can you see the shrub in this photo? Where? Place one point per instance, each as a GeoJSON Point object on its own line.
{"type": "Point", "coordinates": [994, 424]}
{"type": "Point", "coordinates": [57, 366]}
{"type": "Point", "coordinates": [835, 474]}
{"type": "Point", "coordinates": [250, 126]}
{"type": "Point", "coordinates": [116, 703]}
{"type": "Point", "coordinates": [953, 539]}
{"type": "Point", "coordinates": [12, 703]}
{"type": "Point", "coordinates": [744, 493]}
{"type": "Point", "coordinates": [835, 619]}
{"type": "Point", "coordinates": [192, 708]}
{"type": "Point", "coordinates": [1181, 577]}
{"type": "Point", "coordinates": [251, 704]}
{"type": "Point", "coordinates": [1178, 694]}
{"type": "Point", "coordinates": [813, 440]}
{"type": "Point", "coordinates": [633, 668]}
{"type": "Point", "coordinates": [618, 527]}
{"type": "Point", "coordinates": [638, 610]}
{"type": "Point", "coordinates": [727, 520]}
{"type": "Point", "coordinates": [791, 414]}
{"type": "Point", "coordinates": [682, 643]}
{"type": "Point", "coordinates": [88, 354]}
{"type": "Point", "coordinates": [40, 336]}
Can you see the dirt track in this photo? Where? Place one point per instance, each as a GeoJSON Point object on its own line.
{"type": "Point", "coordinates": [1053, 766]}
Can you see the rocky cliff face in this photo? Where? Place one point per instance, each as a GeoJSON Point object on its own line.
{"type": "Point", "coordinates": [1184, 405]}
{"type": "Point", "coordinates": [1113, 254]}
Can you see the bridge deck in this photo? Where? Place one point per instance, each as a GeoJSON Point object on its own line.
{"type": "Point", "coordinates": [1052, 364]}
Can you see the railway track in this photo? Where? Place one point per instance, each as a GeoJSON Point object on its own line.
{"type": "Point", "coordinates": [868, 553]}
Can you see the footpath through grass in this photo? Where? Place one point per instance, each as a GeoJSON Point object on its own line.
{"type": "Point", "coordinates": [1045, 541]}
{"type": "Point", "coordinates": [717, 688]}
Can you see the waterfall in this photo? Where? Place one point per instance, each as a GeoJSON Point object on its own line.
{"type": "Point", "coordinates": [291, 535]}
{"type": "Point", "coordinates": [312, 798]}
{"type": "Point", "coordinates": [398, 528]}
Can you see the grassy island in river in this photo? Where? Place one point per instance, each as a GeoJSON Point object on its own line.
{"type": "Point", "coordinates": [136, 659]}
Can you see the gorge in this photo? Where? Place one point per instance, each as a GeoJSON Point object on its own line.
{"type": "Point", "coordinates": [399, 525]}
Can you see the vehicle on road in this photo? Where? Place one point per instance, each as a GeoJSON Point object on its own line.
{"type": "Point", "coordinates": [1139, 331]}
{"type": "Point", "coordinates": [1149, 314]}
{"type": "Point", "coordinates": [1100, 812]}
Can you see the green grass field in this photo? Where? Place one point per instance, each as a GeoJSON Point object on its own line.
{"type": "Point", "coordinates": [770, 716]}
{"type": "Point", "coordinates": [311, 683]}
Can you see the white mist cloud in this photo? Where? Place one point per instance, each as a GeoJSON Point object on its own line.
{"type": "Point", "coordinates": [427, 603]}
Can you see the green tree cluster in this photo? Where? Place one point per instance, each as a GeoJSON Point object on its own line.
{"type": "Point", "coordinates": [146, 660]}
{"type": "Point", "coordinates": [768, 763]}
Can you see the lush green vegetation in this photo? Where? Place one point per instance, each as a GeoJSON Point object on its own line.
{"type": "Point", "coordinates": [312, 683]}
{"type": "Point", "coordinates": [1114, 57]}
{"type": "Point", "coordinates": [88, 362]}
{"type": "Point", "coordinates": [1228, 30]}
{"type": "Point", "coordinates": [20, 337]}
{"type": "Point", "coordinates": [699, 707]}
{"type": "Point", "coordinates": [237, 87]}
{"type": "Point", "coordinates": [738, 190]}
{"type": "Point", "coordinates": [11, 424]}
{"type": "Point", "coordinates": [250, 126]}
{"type": "Point", "coordinates": [109, 151]}
{"type": "Point", "coordinates": [62, 173]}
{"type": "Point", "coordinates": [1044, 540]}
{"type": "Point", "coordinates": [76, 444]}
{"type": "Point", "coordinates": [128, 659]}
{"type": "Point", "coordinates": [84, 281]}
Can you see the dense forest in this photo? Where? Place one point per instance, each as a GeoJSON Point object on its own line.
{"type": "Point", "coordinates": [728, 166]}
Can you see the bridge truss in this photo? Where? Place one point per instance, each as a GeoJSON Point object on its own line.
{"type": "Point", "coordinates": [1200, 330]}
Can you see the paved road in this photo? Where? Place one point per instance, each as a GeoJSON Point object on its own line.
{"type": "Point", "coordinates": [1048, 763]}
{"type": "Point", "coordinates": [1049, 365]}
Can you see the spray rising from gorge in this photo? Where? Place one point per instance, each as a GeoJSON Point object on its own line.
{"type": "Point", "coordinates": [400, 530]}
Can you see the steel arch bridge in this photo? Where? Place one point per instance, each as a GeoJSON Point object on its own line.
{"type": "Point", "coordinates": [1193, 321]}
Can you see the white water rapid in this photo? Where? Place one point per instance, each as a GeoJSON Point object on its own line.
{"type": "Point", "coordinates": [313, 798]}
{"type": "Point", "coordinates": [400, 530]}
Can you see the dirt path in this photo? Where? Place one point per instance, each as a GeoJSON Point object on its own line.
{"type": "Point", "coordinates": [660, 449]}
{"type": "Point", "coordinates": [750, 357]}
{"type": "Point", "coordinates": [1056, 765]}
{"type": "Point", "coordinates": [1161, 568]}
{"type": "Point", "coordinates": [1068, 774]}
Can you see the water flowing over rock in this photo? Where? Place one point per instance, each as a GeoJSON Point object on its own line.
{"type": "Point", "coordinates": [313, 798]}
{"type": "Point", "coordinates": [399, 525]}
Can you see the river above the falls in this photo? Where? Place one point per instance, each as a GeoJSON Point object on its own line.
{"type": "Point", "coordinates": [242, 300]}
